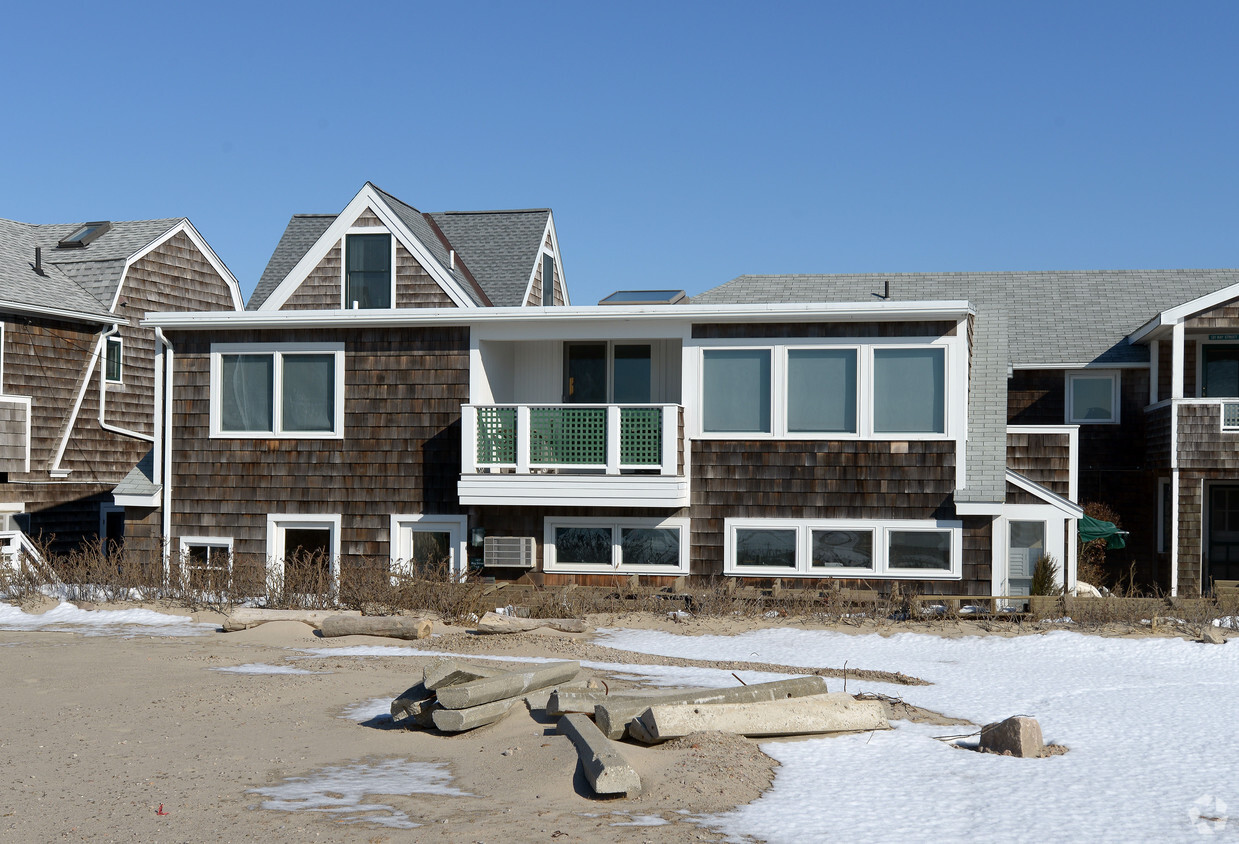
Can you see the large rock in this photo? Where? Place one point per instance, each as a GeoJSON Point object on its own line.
{"type": "Point", "coordinates": [1019, 735]}
{"type": "Point", "coordinates": [1212, 636]}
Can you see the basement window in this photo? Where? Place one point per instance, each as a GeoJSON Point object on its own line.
{"type": "Point", "coordinates": [619, 545]}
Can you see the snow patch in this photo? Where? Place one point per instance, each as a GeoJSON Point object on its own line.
{"type": "Point", "coordinates": [342, 791]}
{"type": "Point", "coordinates": [263, 668]}
{"type": "Point", "coordinates": [379, 707]}
{"type": "Point", "coordinates": [125, 623]}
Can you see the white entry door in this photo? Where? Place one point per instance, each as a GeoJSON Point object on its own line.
{"type": "Point", "coordinates": [1032, 531]}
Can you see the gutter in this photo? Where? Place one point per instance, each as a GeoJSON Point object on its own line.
{"type": "Point", "coordinates": [103, 392]}
{"type": "Point", "coordinates": [38, 310]}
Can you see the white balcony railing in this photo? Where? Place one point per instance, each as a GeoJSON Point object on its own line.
{"type": "Point", "coordinates": [609, 439]}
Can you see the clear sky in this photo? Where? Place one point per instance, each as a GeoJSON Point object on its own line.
{"type": "Point", "coordinates": [679, 144]}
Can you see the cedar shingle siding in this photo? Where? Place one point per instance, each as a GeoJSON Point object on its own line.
{"type": "Point", "coordinates": [400, 452]}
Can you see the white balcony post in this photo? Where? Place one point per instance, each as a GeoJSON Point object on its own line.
{"type": "Point", "coordinates": [613, 439]}
{"type": "Point", "coordinates": [522, 439]}
{"type": "Point", "coordinates": [671, 438]}
{"type": "Point", "coordinates": [468, 439]}
{"type": "Point", "coordinates": [1154, 354]}
{"type": "Point", "coordinates": [1176, 362]}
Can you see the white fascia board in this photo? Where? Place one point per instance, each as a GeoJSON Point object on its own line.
{"type": "Point", "coordinates": [151, 500]}
{"type": "Point", "coordinates": [1093, 365]}
{"type": "Point", "coordinates": [59, 313]}
{"type": "Point", "coordinates": [1070, 508]}
{"type": "Point", "coordinates": [978, 508]}
{"type": "Point", "coordinates": [832, 312]}
{"type": "Point", "coordinates": [1181, 312]}
{"type": "Point", "coordinates": [367, 197]}
{"type": "Point", "coordinates": [234, 287]}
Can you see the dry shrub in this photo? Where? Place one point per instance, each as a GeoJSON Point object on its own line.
{"type": "Point", "coordinates": [1091, 563]}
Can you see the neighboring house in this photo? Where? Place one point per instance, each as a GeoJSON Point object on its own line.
{"type": "Point", "coordinates": [77, 381]}
{"type": "Point", "coordinates": [396, 394]}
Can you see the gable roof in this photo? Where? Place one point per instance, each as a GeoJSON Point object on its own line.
{"type": "Point", "coordinates": [1054, 319]}
{"type": "Point", "coordinates": [80, 282]}
{"type": "Point", "coordinates": [491, 248]}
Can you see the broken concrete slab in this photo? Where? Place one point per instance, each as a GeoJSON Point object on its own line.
{"type": "Point", "coordinates": [450, 672]}
{"type": "Point", "coordinates": [416, 704]}
{"type": "Point", "coordinates": [829, 713]}
{"type": "Point", "coordinates": [563, 701]}
{"type": "Point", "coordinates": [460, 720]}
{"type": "Point", "coordinates": [613, 717]}
{"type": "Point", "coordinates": [509, 685]}
{"type": "Point", "coordinates": [607, 771]}
{"type": "Point", "coordinates": [392, 627]}
{"type": "Point", "coordinates": [495, 623]}
{"type": "Point", "coordinates": [1018, 735]}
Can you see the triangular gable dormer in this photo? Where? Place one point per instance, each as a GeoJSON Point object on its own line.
{"type": "Point", "coordinates": [548, 258]}
{"type": "Point", "coordinates": [370, 255]}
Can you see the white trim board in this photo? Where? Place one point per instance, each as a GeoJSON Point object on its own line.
{"type": "Point", "coordinates": [457, 526]}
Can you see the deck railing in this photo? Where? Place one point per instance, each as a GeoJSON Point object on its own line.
{"type": "Point", "coordinates": [546, 438]}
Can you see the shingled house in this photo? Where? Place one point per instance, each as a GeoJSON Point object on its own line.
{"type": "Point", "coordinates": [77, 385]}
{"type": "Point", "coordinates": [398, 391]}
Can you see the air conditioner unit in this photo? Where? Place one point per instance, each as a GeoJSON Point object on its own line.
{"type": "Point", "coordinates": [514, 552]}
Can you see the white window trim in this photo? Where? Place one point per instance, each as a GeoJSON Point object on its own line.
{"type": "Point", "coordinates": [277, 523]}
{"type": "Point", "coordinates": [218, 350]}
{"type": "Point", "coordinates": [119, 341]}
{"type": "Point", "coordinates": [1115, 376]}
{"type": "Point", "coordinates": [348, 306]}
{"type": "Point", "coordinates": [881, 547]}
{"type": "Point", "coordinates": [953, 407]}
{"type": "Point", "coordinates": [224, 542]}
{"type": "Point", "coordinates": [616, 524]}
{"type": "Point", "coordinates": [399, 552]}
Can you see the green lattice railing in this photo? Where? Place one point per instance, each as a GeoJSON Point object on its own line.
{"type": "Point", "coordinates": [641, 436]}
{"type": "Point", "coordinates": [496, 435]}
{"type": "Point", "coordinates": [568, 435]}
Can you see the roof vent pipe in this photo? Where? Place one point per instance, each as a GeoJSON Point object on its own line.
{"type": "Point", "coordinates": [451, 259]}
{"type": "Point", "coordinates": [886, 289]}
{"type": "Point", "coordinates": [38, 260]}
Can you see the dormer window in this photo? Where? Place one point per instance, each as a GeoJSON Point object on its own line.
{"type": "Point", "coordinates": [86, 233]}
{"type": "Point", "coordinates": [368, 271]}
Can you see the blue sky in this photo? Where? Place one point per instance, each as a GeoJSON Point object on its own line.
{"type": "Point", "coordinates": [679, 144]}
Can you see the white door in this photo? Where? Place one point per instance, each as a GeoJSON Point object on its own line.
{"type": "Point", "coordinates": [1032, 530]}
{"type": "Point", "coordinates": [429, 547]}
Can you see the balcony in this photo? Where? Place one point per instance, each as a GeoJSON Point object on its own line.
{"type": "Point", "coordinates": [573, 455]}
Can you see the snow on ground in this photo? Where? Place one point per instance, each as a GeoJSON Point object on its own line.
{"type": "Point", "coordinates": [264, 668]}
{"type": "Point", "coordinates": [1150, 724]}
{"type": "Point", "coordinates": [376, 709]}
{"type": "Point", "coordinates": [126, 623]}
{"type": "Point", "coordinates": [342, 791]}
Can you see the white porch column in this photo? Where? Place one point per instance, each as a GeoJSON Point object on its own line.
{"type": "Point", "coordinates": [671, 438]}
{"type": "Point", "coordinates": [1154, 349]}
{"type": "Point", "coordinates": [522, 439]}
{"type": "Point", "coordinates": [1176, 362]}
{"type": "Point", "coordinates": [613, 439]}
{"type": "Point", "coordinates": [468, 439]}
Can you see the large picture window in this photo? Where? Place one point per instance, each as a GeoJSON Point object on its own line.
{"type": "Point", "coordinates": [368, 271]}
{"type": "Point", "coordinates": [275, 390]}
{"type": "Point", "coordinates": [877, 391]}
{"type": "Point", "coordinates": [920, 550]}
{"type": "Point", "coordinates": [604, 546]}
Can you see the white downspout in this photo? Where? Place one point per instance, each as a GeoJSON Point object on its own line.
{"type": "Point", "coordinates": [163, 453]}
{"type": "Point", "coordinates": [103, 391]}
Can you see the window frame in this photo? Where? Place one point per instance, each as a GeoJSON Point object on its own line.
{"type": "Point", "coordinates": [456, 526]}
{"type": "Point", "coordinates": [880, 570]}
{"type": "Point", "coordinates": [120, 359]}
{"type": "Point", "coordinates": [1116, 395]}
{"type": "Point", "coordinates": [279, 523]}
{"type": "Point", "coordinates": [212, 542]}
{"type": "Point", "coordinates": [953, 414]}
{"type": "Point", "coordinates": [278, 351]}
{"type": "Point", "coordinates": [617, 525]}
{"type": "Point", "coordinates": [548, 285]}
{"type": "Point", "coordinates": [344, 303]}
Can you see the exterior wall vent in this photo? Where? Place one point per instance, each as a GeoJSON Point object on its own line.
{"type": "Point", "coordinates": [513, 552]}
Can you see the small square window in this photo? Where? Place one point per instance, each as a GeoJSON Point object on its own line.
{"type": "Point", "coordinates": [1092, 398]}
{"type": "Point", "coordinates": [114, 359]}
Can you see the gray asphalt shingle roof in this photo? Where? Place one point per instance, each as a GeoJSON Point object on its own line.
{"type": "Point", "coordinates": [1053, 318]}
{"type": "Point", "coordinates": [499, 248]}
{"type": "Point", "coordinates": [83, 279]}
{"type": "Point", "coordinates": [140, 480]}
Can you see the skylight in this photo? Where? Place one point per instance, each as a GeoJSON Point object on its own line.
{"type": "Point", "coordinates": [86, 233]}
{"type": "Point", "coordinates": [645, 297]}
